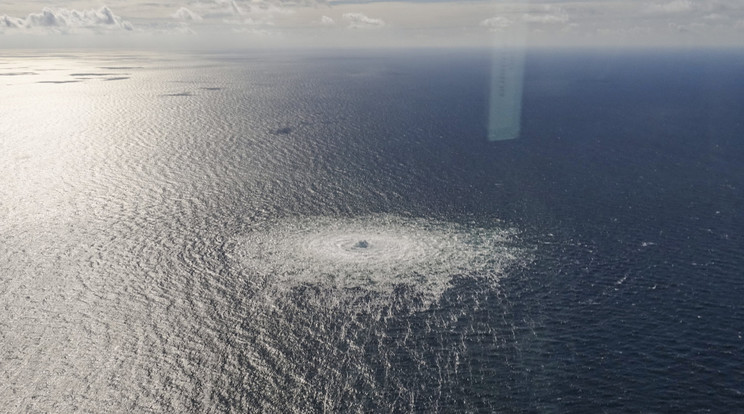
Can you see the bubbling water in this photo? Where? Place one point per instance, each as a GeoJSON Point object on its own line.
{"type": "Point", "coordinates": [375, 253]}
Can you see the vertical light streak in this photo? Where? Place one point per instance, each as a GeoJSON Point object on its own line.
{"type": "Point", "coordinates": [507, 74]}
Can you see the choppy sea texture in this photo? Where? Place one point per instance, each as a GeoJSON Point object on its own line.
{"type": "Point", "coordinates": [268, 232]}
{"type": "Point", "coordinates": [178, 237]}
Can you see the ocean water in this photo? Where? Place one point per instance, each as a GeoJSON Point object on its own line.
{"type": "Point", "coordinates": [332, 232]}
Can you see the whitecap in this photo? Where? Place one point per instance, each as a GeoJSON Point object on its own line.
{"type": "Point", "coordinates": [375, 253]}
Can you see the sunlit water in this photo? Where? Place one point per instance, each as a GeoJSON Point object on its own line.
{"type": "Point", "coordinates": [315, 232]}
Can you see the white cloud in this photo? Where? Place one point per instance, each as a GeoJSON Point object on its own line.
{"type": "Point", "coordinates": [361, 21]}
{"type": "Point", "coordinates": [66, 20]}
{"type": "Point", "coordinates": [254, 12]}
{"type": "Point", "coordinates": [715, 16]}
{"type": "Point", "coordinates": [497, 23]}
{"type": "Point", "coordinates": [681, 8]}
{"type": "Point", "coordinates": [674, 6]}
{"type": "Point", "coordinates": [246, 7]}
{"type": "Point", "coordinates": [186, 15]}
{"type": "Point", "coordinates": [546, 15]}
{"type": "Point", "coordinates": [544, 18]}
{"type": "Point", "coordinates": [12, 22]}
{"type": "Point", "coordinates": [437, 23]}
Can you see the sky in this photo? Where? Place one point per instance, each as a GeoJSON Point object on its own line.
{"type": "Point", "coordinates": [199, 24]}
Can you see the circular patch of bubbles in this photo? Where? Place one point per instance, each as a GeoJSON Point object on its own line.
{"type": "Point", "coordinates": [376, 253]}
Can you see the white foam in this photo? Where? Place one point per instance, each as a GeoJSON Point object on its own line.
{"type": "Point", "coordinates": [375, 253]}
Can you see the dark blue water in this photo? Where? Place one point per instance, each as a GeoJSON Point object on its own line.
{"type": "Point", "coordinates": [629, 177]}
{"type": "Point", "coordinates": [187, 238]}
{"type": "Point", "coordinates": [638, 160]}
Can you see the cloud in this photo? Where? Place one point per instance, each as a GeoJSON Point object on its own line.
{"type": "Point", "coordinates": [497, 23]}
{"type": "Point", "coordinates": [700, 19]}
{"type": "Point", "coordinates": [674, 6]}
{"type": "Point", "coordinates": [186, 15]}
{"type": "Point", "coordinates": [12, 22]}
{"type": "Point", "coordinates": [66, 20]}
{"type": "Point", "coordinates": [701, 9]}
{"type": "Point", "coordinates": [546, 15]}
{"type": "Point", "coordinates": [715, 16]}
{"type": "Point", "coordinates": [252, 13]}
{"type": "Point", "coordinates": [414, 22]}
{"type": "Point", "coordinates": [361, 21]}
{"type": "Point", "coordinates": [544, 18]}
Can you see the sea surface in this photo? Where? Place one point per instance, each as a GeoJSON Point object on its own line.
{"type": "Point", "coordinates": [331, 231]}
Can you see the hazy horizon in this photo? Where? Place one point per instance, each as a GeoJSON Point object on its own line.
{"type": "Point", "coordinates": [231, 24]}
